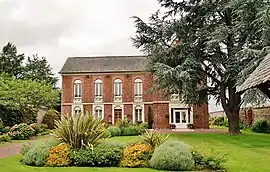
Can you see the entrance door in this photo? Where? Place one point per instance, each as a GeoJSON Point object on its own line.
{"type": "Point", "coordinates": [117, 115]}
{"type": "Point", "coordinates": [180, 118]}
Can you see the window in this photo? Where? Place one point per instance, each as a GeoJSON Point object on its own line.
{"type": "Point", "coordinates": [98, 87]}
{"type": "Point", "coordinates": [138, 114]}
{"type": "Point", "coordinates": [77, 110]}
{"type": "Point", "coordinates": [117, 87]}
{"type": "Point", "coordinates": [98, 113]}
{"type": "Point", "coordinates": [138, 87]}
{"type": "Point", "coordinates": [77, 89]}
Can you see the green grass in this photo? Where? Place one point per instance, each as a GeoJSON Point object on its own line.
{"type": "Point", "coordinates": [249, 152]}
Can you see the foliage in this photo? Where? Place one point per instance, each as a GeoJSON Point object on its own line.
{"type": "Point", "coordinates": [190, 126]}
{"type": "Point", "coordinates": [114, 131]}
{"type": "Point", "coordinates": [219, 121]}
{"type": "Point", "coordinates": [221, 40]}
{"type": "Point", "coordinates": [21, 132]}
{"type": "Point", "coordinates": [38, 69]}
{"type": "Point", "coordinates": [50, 117]}
{"type": "Point", "coordinates": [137, 155]}
{"type": "Point", "coordinates": [243, 125]}
{"type": "Point", "coordinates": [38, 128]}
{"type": "Point", "coordinates": [10, 61]}
{"type": "Point", "coordinates": [143, 126]}
{"type": "Point", "coordinates": [36, 155]}
{"type": "Point", "coordinates": [25, 148]}
{"type": "Point", "coordinates": [172, 156]}
{"type": "Point", "coordinates": [153, 138]}
{"type": "Point", "coordinates": [10, 115]}
{"type": "Point", "coordinates": [25, 95]}
{"type": "Point", "coordinates": [59, 156]}
{"type": "Point", "coordinates": [80, 131]}
{"type": "Point", "coordinates": [46, 132]}
{"type": "Point", "coordinates": [5, 129]}
{"type": "Point", "coordinates": [104, 155]}
{"type": "Point", "coordinates": [150, 118]}
{"type": "Point", "coordinates": [123, 123]}
{"type": "Point", "coordinates": [5, 138]}
{"type": "Point", "coordinates": [131, 130]}
{"type": "Point", "coordinates": [260, 126]}
{"type": "Point", "coordinates": [203, 162]}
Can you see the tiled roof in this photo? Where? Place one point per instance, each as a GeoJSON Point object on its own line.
{"type": "Point", "coordinates": [104, 64]}
{"type": "Point", "coordinates": [259, 76]}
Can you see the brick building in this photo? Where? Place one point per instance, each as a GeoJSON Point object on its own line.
{"type": "Point", "coordinates": [113, 87]}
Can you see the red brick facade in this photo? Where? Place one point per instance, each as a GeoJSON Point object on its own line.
{"type": "Point", "coordinates": [160, 106]}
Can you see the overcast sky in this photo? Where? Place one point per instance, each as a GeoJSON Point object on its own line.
{"type": "Point", "coordinates": [58, 29]}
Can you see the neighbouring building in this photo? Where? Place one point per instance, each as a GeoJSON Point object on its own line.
{"type": "Point", "coordinates": [114, 87]}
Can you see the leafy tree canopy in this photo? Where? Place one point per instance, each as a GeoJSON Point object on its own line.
{"type": "Point", "coordinates": [26, 95]}
{"type": "Point", "coordinates": [223, 40]}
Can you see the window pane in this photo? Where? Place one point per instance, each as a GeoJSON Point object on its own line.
{"type": "Point", "coordinates": [120, 89]}
{"type": "Point", "coordinates": [140, 115]}
{"type": "Point", "coordinates": [136, 115]}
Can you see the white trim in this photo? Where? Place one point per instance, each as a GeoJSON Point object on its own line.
{"type": "Point", "coordinates": [105, 73]}
{"type": "Point", "coordinates": [76, 106]}
{"type": "Point", "coordinates": [101, 106]}
{"type": "Point", "coordinates": [136, 105]}
{"type": "Point", "coordinates": [125, 103]}
{"type": "Point", "coordinates": [120, 106]}
{"type": "Point", "coordinates": [98, 86]}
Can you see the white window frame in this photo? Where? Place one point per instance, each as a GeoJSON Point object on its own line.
{"type": "Point", "coordinates": [98, 88]}
{"type": "Point", "coordinates": [138, 87]}
{"type": "Point", "coordinates": [117, 84]}
{"type": "Point", "coordinates": [77, 110]}
{"type": "Point", "coordinates": [139, 112]}
{"type": "Point", "coordinates": [77, 89]}
{"type": "Point", "coordinates": [98, 112]}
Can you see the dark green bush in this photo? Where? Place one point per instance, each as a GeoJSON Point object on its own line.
{"type": "Point", "coordinates": [36, 155]}
{"type": "Point", "coordinates": [243, 125]}
{"type": "Point", "coordinates": [143, 126]}
{"type": "Point", "coordinates": [172, 156]}
{"type": "Point", "coordinates": [104, 155]}
{"type": "Point", "coordinates": [114, 131]}
{"type": "Point", "coordinates": [131, 130]}
{"type": "Point", "coordinates": [260, 126]}
{"type": "Point", "coordinates": [5, 138]}
{"type": "Point", "coordinates": [219, 121]}
{"type": "Point", "coordinates": [203, 162]}
{"type": "Point", "coordinates": [50, 117]}
{"type": "Point", "coordinates": [38, 128]}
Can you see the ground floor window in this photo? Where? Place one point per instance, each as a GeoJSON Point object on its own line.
{"type": "Point", "coordinates": [117, 115]}
{"type": "Point", "coordinates": [77, 110]}
{"type": "Point", "coordinates": [138, 115]}
{"type": "Point", "coordinates": [98, 113]}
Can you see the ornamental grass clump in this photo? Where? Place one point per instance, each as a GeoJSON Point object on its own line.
{"type": "Point", "coordinates": [153, 138]}
{"type": "Point", "coordinates": [80, 131]}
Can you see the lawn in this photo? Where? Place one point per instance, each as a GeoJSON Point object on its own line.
{"type": "Point", "coordinates": [249, 152]}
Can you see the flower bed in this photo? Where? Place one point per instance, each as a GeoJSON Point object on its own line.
{"type": "Point", "coordinates": [80, 147]}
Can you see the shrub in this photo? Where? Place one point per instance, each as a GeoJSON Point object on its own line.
{"type": "Point", "coordinates": [136, 155]}
{"type": "Point", "coordinates": [5, 130]}
{"type": "Point", "coordinates": [172, 156]}
{"type": "Point", "coordinates": [38, 128]}
{"type": "Point", "coordinates": [104, 155]}
{"type": "Point", "coordinates": [122, 123]}
{"type": "Point", "coordinates": [46, 132]}
{"type": "Point", "coordinates": [114, 131]}
{"type": "Point", "coordinates": [260, 126]}
{"type": "Point", "coordinates": [219, 121]}
{"type": "Point", "coordinates": [153, 139]}
{"type": "Point", "coordinates": [21, 132]}
{"type": "Point", "coordinates": [190, 126]}
{"type": "Point", "coordinates": [50, 117]}
{"type": "Point", "coordinates": [225, 123]}
{"type": "Point", "coordinates": [5, 138]}
{"type": "Point", "coordinates": [37, 154]}
{"type": "Point", "coordinates": [25, 148]}
{"type": "Point", "coordinates": [59, 156]}
{"type": "Point", "coordinates": [203, 162]}
{"type": "Point", "coordinates": [243, 125]}
{"type": "Point", "coordinates": [131, 130]}
{"type": "Point", "coordinates": [143, 126]}
{"type": "Point", "coordinates": [81, 131]}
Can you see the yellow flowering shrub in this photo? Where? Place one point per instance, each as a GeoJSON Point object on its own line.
{"type": "Point", "coordinates": [137, 155]}
{"type": "Point", "coordinates": [59, 156]}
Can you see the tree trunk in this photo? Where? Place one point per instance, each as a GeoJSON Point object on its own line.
{"type": "Point", "coordinates": [231, 106]}
{"type": "Point", "coordinates": [233, 120]}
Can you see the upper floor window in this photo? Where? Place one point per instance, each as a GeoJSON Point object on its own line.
{"type": "Point", "coordinates": [138, 87]}
{"type": "Point", "coordinates": [117, 87]}
{"type": "Point", "coordinates": [98, 87]}
{"type": "Point", "coordinates": [77, 88]}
